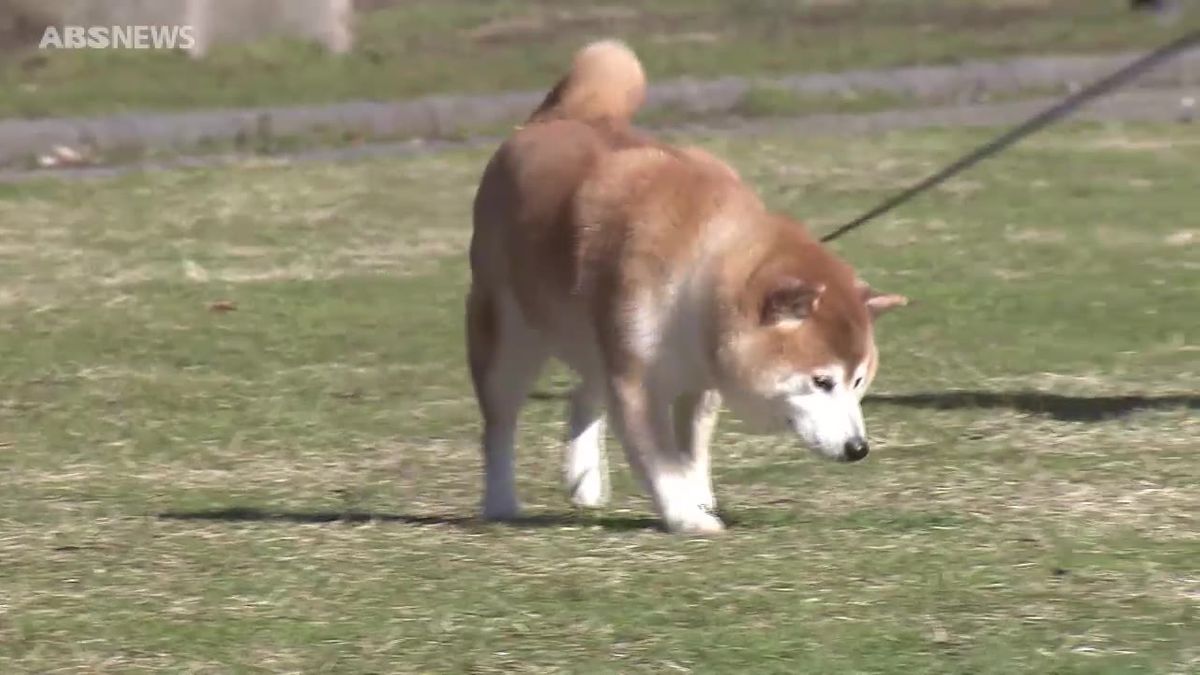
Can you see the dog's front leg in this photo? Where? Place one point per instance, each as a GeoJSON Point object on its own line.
{"type": "Point", "coordinates": [643, 423]}
{"type": "Point", "coordinates": [695, 420]}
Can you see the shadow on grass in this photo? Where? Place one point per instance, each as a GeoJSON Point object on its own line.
{"type": "Point", "coordinates": [741, 518]}
{"type": "Point", "coordinates": [243, 514]}
{"type": "Point", "coordinates": [1060, 407]}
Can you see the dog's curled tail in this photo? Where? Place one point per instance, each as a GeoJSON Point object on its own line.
{"type": "Point", "coordinates": [606, 81]}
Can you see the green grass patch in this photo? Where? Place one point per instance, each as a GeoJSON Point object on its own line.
{"type": "Point", "coordinates": [419, 47]}
{"type": "Point", "coordinates": [291, 485]}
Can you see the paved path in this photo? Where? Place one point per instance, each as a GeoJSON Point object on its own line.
{"type": "Point", "coordinates": [1147, 106]}
{"type": "Point", "coordinates": [444, 116]}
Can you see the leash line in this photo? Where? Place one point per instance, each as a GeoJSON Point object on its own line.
{"type": "Point", "coordinates": [1033, 124]}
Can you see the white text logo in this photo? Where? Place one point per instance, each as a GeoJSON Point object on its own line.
{"type": "Point", "coordinates": [118, 37]}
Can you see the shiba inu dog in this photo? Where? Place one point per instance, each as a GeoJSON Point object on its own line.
{"type": "Point", "coordinates": [660, 278]}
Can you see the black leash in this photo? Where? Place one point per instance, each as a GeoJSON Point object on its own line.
{"type": "Point", "coordinates": [1042, 119]}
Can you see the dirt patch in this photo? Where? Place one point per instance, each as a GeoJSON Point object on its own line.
{"type": "Point", "coordinates": [1036, 236]}
{"type": "Point", "coordinates": [1183, 238]}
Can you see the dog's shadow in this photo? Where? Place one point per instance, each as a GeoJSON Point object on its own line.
{"type": "Point", "coordinates": [244, 514]}
{"type": "Point", "coordinates": [1058, 406]}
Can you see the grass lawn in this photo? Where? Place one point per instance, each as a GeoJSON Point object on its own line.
{"type": "Point", "coordinates": [290, 486]}
{"type": "Point", "coordinates": [414, 47]}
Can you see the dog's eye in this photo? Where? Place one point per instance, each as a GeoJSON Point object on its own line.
{"type": "Point", "coordinates": [858, 383]}
{"type": "Point", "coordinates": [823, 382]}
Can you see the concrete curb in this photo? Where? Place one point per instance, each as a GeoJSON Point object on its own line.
{"type": "Point", "coordinates": [1135, 106]}
{"type": "Point", "coordinates": [448, 116]}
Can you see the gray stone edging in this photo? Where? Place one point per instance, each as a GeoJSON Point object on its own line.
{"type": "Point", "coordinates": [450, 115]}
{"type": "Point", "coordinates": [1161, 105]}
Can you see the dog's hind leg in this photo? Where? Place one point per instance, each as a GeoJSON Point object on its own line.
{"type": "Point", "coordinates": [505, 355]}
{"type": "Point", "coordinates": [585, 466]}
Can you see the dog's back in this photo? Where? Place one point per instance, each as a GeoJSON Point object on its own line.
{"type": "Point", "coordinates": [558, 198]}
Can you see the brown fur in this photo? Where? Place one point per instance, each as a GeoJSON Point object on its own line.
{"type": "Point", "coordinates": [605, 82]}
{"type": "Point", "coordinates": [588, 226]}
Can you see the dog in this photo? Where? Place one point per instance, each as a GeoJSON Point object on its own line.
{"type": "Point", "coordinates": [661, 279]}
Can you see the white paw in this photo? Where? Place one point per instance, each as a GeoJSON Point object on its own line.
{"type": "Point", "coordinates": [696, 520]}
{"type": "Point", "coordinates": [588, 489]}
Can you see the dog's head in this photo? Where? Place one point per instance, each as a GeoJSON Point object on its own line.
{"type": "Point", "coordinates": [803, 353]}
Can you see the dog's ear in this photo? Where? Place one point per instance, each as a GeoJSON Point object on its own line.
{"type": "Point", "coordinates": [790, 300]}
{"type": "Point", "coordinates": [879, 303]}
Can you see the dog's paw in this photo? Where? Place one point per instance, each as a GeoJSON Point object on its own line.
{"type": "Point", "coordinates": [697, 520]}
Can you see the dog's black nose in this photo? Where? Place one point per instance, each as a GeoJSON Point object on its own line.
{"type": "Point", "coordinates": [856, 449]}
